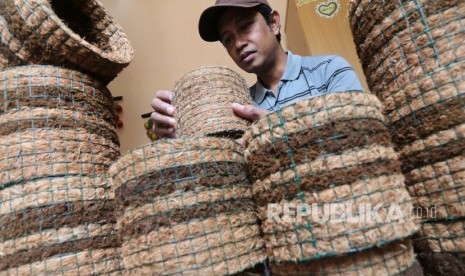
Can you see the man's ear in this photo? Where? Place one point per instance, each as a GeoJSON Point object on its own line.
{"type": "Point", "coordinates": [275, 22]}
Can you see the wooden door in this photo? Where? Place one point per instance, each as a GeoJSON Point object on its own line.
{"type": "Point", "coordinates": [320, 27]}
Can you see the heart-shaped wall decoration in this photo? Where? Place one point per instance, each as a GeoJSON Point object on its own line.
{"type": "Point", "coordinates": [328, 9]}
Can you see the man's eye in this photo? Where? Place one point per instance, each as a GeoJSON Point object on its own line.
{"type": "Point", "coordinates": [226, 40]}
{"type": "Point", "coordinates": [246, 25]}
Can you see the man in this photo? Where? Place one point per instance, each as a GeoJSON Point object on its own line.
{"type": "Point", "coordinates": [250, 32]}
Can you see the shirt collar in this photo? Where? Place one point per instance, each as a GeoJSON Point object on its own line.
{"type": "Point", "coordinates": [258, 92]}
{"type": "Point", "coordinates": [293, 66]}
{"type": "Point", "coordinates": [292, 71]}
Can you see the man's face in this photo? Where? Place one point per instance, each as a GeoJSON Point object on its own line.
{"type": "Point", "coordinates": [249, 40]}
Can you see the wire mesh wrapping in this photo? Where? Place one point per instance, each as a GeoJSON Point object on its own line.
{"type": "Point", "coordinates": [40, 86]}
{"type": "Point", "coordinates": [185, 207]}
{"type": "Point", "coordinates": [330, 150]}
{"type": "Point", "coordinates": [54, 122]}
{"type": "Point", "coordinates": [413, 56]}
{"type": "Point", "coordinates": [442, 236]}
{"type": "Point", "coordinates": [57, 141]}
{"type": "Point", "coordinates": [202, 99]}
{"type": "Point", "coordinates": [394, 259]}
{"type": "Point", "coordinates": [8, 57]}
{"type": "Point", "coordinates": [77, 34]}
{"type": "Point", "coordinates": [59, 225]}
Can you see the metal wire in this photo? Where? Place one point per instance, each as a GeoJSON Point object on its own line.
{"type": "Point", "coordinates": [57, 140]}
{"type": "Point", "coordinates": [413, 57]}
{"type": "Point", "coordinates": [185, 206]}
{"type": "Point", "coordinates": [334, 150]}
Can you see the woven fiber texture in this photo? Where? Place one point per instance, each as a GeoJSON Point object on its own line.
{"type": "Point", "coordinates": [54, 122]}
{"type": "Point", "coordinates": [55, 118]}
{"type": "Point", "coordinates": [37, 97]}
{"type": "Point", "coordinates": [54, 87]}
{"type": "Point", "coordinates": [39, 153]}
{"type": "Point", "coordinates": [57, 141]}
{"type": "Point", "coordinates": [203, 100]}
{"type": "Point", "coordinates": [438, 188]}
{"type": "Point", "coordinates": [78, 34]}
{"type": "Point", "coordinates": [393, 259]}
{"type": "Point", "coordinates": [87, 262]}
{"type": "Point", "coordinates": [185, 207]}
{"type": "Point", "coordinates": [7, 43]}
{"type": "Point", "coordinates": [413, 56]}
{"type": "Point", "coordinates": [419, 65]}
{"type": "Point", "coordinates": [329, 150]}
{"type": "Point", "coordinates": [446, 236]}
{"type": "Point", "coordinates": [59, 225]}
{"type": "Point", "coordinates": [437, 184]}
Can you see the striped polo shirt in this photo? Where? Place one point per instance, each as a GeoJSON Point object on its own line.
{"type": "Point", "coordinates": [306, 77]}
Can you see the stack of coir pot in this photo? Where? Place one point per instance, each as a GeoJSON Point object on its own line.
{"type": "Point", "coordinates": [329, 189]}
{"type": "Point", "coordinates": [185, 205]}
{"type": "Point", "coordinates": [414, 58]}
{"type": "Point", "coordinates": [57, 137]}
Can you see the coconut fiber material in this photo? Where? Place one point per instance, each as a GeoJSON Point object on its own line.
{"type": "Point", "coordinates": [87, 262]}
{"type": "Point", "coordinates": [203, 100]}
{"type": "Point", "coordinates": [185, 206]}
{"type": "Point", "coordinates": [60, 218]}
{"type": "Point", "coordinates": [326, 233]}
{"type": "Point", "coordinates": [52, 118]}
{"type": "Point", "coordinates": [444, 29]}
{"type": "Point", "coordinates": [445, 236]}
{"type": "Point", "coordinates": [441, 264]}
{"type": "Point", "coordinates": [54, 87]}
{"type": "Point", "coordinates": [392, 18]}
{"type": "Point", "coordinates": [413, 59]}
{"type": "Point", "coordinates": [44, 191]}
{"type": "Point", "coordinates": [393, 259]}
{"type": "Point", "coordinates": [439, 189]}
{"type": "Point", "coordinates": [43, 152]}
{"type": "Point", "coordinates": [442, 195]}
{"type": "Point", "coordinates": [7, 55]}
{"type": "Point", "coordinates": [443, 192]}
{"type": "Point", "coordinates": [332, 149]}
{"type": "Point", "coordinates": [77, 34]}
{"type": "Point", "coordinates": [47, 97]}
{"type": "Point", "coordinates": [413, 56]}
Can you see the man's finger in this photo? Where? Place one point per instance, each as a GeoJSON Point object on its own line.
{"type": "Point", "coordinates": [249, 111]}
{"type": "Point", "coordinates": [164, 132]}
{"type": "Point", "coordinates": [162, 107]}
{"type": "Point", "coordinates": [162, 120]}
{"type": "Point", "coordinates": [165, 95]}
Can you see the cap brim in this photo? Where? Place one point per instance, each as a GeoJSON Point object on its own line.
{"type": "Point", "coordinates": [208, 23]}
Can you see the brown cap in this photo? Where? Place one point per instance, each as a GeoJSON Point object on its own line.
{"type": "Point", "coordinates": [208, 22]}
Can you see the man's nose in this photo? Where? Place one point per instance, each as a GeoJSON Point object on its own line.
{"type": "Point", "coordinates": [240, 42]}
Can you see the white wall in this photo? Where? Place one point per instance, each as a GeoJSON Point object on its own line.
{"type": "Point", "coordinates": [167, 45]}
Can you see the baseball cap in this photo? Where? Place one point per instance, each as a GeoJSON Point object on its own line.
{"type": "Point", "coordinates": [209, 19]}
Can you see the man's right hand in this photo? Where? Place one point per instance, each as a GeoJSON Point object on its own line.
{"type": "Point", "coordinates": [249, 112]}
{"type": "Point", "coordinates": [163, 115]}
